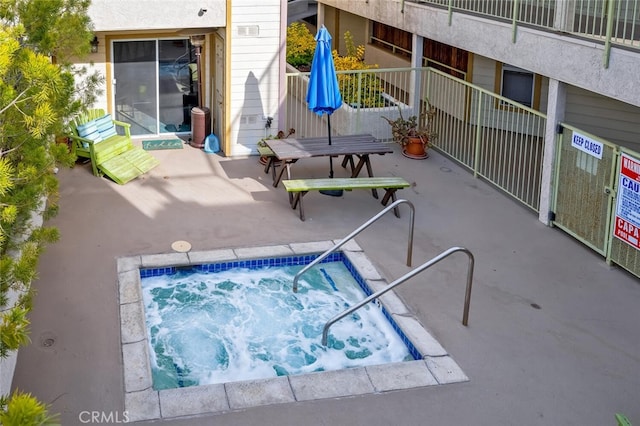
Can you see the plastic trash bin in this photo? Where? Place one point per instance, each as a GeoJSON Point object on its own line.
{"type": "Point", "coordinates": [200, 126]}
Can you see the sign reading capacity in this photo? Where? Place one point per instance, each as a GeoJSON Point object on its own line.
{"type": "Point", "coordinates": [627, 225]}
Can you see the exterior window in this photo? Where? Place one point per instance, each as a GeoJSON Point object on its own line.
{"type": "Point", "coordinates": [517, 84]}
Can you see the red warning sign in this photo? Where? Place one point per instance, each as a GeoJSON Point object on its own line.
{"type": "Point", "coordinates": [627, 220]}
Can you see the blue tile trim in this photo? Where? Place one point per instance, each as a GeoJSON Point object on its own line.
{"type": "Point", "coordinates": [249, 263]}
{"type": "Point", "coordinates": [156, 272]}
{"type": "Point", "coordinates": [363, 284]}
{"type": "Point", "coordinates": [285, 261]}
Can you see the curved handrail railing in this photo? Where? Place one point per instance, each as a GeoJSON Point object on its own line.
{"type": "Point", "coordinates": [356, 232]}
{"type": "Point", "coordinates": [446, 253]}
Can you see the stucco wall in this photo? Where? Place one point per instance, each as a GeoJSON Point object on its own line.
{"type": "Point", "coordinates": [127, 15]}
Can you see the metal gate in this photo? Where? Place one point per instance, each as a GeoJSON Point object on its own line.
{"type": "Point", "coordinates": [587, 169]}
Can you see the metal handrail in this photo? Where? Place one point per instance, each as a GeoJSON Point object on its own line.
{"type": "Point", "coordinates": [467, 296]}
{"type": "Point", "coordinates": [356, 232]}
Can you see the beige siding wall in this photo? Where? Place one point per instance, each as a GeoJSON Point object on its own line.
{"type": "Point", "coordinates": [613, 120]}
{"type": "Point", "coordinates": [254, 61]}
{"type": "Point", "coordinates": [484, 70]}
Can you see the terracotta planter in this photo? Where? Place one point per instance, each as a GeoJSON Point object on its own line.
{"type": "Point", "coordinates": [415, 149]}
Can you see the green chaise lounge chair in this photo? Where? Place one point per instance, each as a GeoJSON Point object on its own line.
{"type": "Point", "coordinates": [107, 143]}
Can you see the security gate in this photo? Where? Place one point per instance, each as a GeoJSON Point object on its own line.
{"type": "Point", "coordinates": [586, 184]}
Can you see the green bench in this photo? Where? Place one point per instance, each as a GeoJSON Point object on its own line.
{"type": "Point", "coordinates": [300, 187]}
{"type": "Point", "coordinates": [107, 143]}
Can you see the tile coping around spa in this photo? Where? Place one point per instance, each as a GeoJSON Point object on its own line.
{"type": "Point", "coordinates": [142, 402]}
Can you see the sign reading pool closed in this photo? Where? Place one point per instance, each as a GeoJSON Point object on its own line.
{"type": "Point", "coordinates": [627, 220]}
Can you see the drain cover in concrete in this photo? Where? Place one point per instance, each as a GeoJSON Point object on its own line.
{"type": "Point", "coordinates": [47, 341]}
{"type": "Point", "coordinates": [181, 246]}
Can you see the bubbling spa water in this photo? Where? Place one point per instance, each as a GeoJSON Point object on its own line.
{"type": "Point", "coordinates": [247, 323]}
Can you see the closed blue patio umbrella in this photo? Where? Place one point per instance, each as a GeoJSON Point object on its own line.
{"type": "Point", "coordinates": [323, 95]}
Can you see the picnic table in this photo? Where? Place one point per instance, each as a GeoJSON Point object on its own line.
{"type": "Point", "coordinates": [290, 150]}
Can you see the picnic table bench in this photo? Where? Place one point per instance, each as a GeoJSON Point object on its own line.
{"type": "Point", "coordinates": [300, 187]}
{"type": "Point", "coordinates": [271, 160]}
{"type": "Point", "coordinates": [361, 146]}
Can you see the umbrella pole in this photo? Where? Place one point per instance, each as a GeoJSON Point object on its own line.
{"type": "Point", "coordinates": [331, 192]}
{"type": "Point", "coordinates": [330, 158]}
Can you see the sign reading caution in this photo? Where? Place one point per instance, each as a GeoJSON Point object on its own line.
{"type": "Point", "coordinates": [627, 220]}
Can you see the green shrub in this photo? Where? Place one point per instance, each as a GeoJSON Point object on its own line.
{"type": "Point", "coordinates": [300, 45]}
{"type": "Point", "coordinates": [363, 89]}
{"type": "Point", "coordinates": [24, 410]}
{"type": "Point", "coordinates": [38, 96]}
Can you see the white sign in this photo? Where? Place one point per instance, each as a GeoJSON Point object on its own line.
{"type": "Point", "coordinates": [586, 144]}
{"type": "Point", "coordinates": [627, 220]}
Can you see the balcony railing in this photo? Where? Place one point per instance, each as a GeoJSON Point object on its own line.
{"type": "Point", "coordinates": [614, 22]}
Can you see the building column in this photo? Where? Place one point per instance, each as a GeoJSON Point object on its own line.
{"type": "Point", "coordinates": [415, 90]}
{"type": "Point", "coordinates": [564, 15]}
{"type": "Point", "coordinates": [556, 101]}
{"type": "Point", "coordinates": [320, 18]}
{"type": "Point", "coordinates": [282, 63]}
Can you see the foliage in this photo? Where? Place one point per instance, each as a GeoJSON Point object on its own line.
{"type": "Point", "coordinates": [59, 28]}
{"type": "Point", "coordinates": [357, 88]}
{"type": "Point", "coordinates": [417, 127]}
{"type": "Point", "coordinates": [38, 95]}
{"type": "Point", "coordinates": [300, 45]}
{"type": "Point", "coordinates": [622, 420]}
{"type": "Point", "coordinates": [24, 410]}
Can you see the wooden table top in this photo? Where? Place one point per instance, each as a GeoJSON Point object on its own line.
{"type": "Point", "coordinates": [294, 149]}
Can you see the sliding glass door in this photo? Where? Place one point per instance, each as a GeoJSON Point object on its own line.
{"type": "Point", "coordinates": [155, 85]}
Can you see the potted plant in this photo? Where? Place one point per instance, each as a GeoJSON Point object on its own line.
{"type": "Point", "coordinates": [414, 138]}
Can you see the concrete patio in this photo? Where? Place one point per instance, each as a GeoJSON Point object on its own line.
{"type": "Point", "coordinates": [553, 331]}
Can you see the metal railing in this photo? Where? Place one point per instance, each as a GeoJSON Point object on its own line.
{"type": "Point", "coordinates": [356, 232]}
{"type": "Point", "coordinates": [367, 95]}
{"type": "Point", "coordinates": [495, 137]}
{"type": "Point", "coordinates": [404, 278]}
{"type": "Point", "coordinates": [498, 139]}
{"type": "Point", "coordinates": [617, 20]}
{"type": "Point", "coordinates": [614, 22]}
